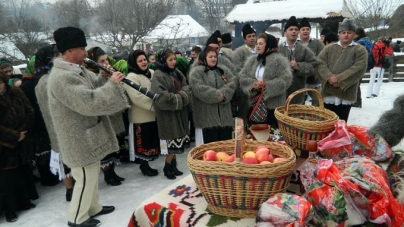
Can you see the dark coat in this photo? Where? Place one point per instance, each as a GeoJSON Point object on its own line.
{"type": "Point", "coordinates": [16, 115]}
{"type": "Point", "coordinates": [40, 138]}
{"type": "Point", "coordinates": [171, 108]}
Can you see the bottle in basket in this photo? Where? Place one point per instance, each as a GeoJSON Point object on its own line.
{"type": "Point", "coordinates": [239, 138]}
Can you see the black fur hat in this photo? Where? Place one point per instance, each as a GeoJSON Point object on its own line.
{"type": "Point", "coordinates": [212, 39]}
{"type": "Point", "coordinates": [291, 22]}
{"type": "Point", "coordinates": [217, 33]}
{"type": "Point", "coordinates": [304, 23]}
{"type": "Point", "coordinates": [324, 31]}
{"type": "Point", "coordinates": [247, 29]}
{"type": "Point", "coordinates": [69, 37]}
{"type": "Point", "coordinates": [226, 38]}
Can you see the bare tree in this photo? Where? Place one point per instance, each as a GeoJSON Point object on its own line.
{"type": "Point", "coordinates": [122, 23]}
{"type": "Point", "coordinates": [75, 13]}
{"type": "Point", "coordinates": [396, 28]}
{"type": "Point", "coordinates": [373, 14]}
{"type": "Point", "coordinates": [23, 27]}
{"type": "Point", "coordinates": [216, 10]}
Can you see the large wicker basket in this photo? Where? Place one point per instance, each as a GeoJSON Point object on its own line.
{"type": "Point", "coordinates": [300, 123]}
{"type": "Point", "coordinates": [237, 189]}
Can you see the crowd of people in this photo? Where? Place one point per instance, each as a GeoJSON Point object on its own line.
{"type": "Point", "coordinates": [72, 117]}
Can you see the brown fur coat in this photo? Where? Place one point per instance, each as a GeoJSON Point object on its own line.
{"type": "Point", "coordinates": [16, 115]}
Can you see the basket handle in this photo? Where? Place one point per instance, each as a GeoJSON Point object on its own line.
{"type": "Point", "coordinates": [291, 96]}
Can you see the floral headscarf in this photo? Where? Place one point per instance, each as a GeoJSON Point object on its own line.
{"type": "Point", "coordinates": [43, 61]}
{"type": "Point", "coordinates": [161, 61]}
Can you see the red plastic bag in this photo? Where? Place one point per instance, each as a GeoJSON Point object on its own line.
{"type": "Point", "coordinates": [337, 145]}
{"type": "Point", "coordinates": [365, 144]}
{"type": "Point", "coordinates": [285, 210]}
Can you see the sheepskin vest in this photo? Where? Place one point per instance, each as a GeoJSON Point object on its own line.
{"type": "Point", "coordinates": [41, 93]}
{"type": "Point", "coordinates": [16, 115]}
{"type": "Point", "coordinates": [79, 104]}
{"type": "Point", "coordinates": [228, 64]}
{"type": "Point", "coordinates": [171, 106]}
{"type": "Point", "coordinates": [206, 87]}
{"type": "Point", "coordinates": [277, 76]}
{"type": "Point", "coordinates": [347, 64]}
{"type": "Point", "coordinates": [141, 110]}
{"type": "Point", "coordinates": [227, 53]}
{"type": "Point", "coordinates": [240, 56]}
{"type": "Point", "coordinates": [307, 64]}
{"type": "Point", "coordinates": [316, 46]}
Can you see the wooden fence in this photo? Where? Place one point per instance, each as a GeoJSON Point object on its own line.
{"type": "Point", "coordinates": [394, 74]}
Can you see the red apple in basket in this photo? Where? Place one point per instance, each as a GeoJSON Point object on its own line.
{"type": "Point", "coordinates": [209, 155]}
{"type": "Point", "coordinates": [265, 162]}
{"type": "Point", "coordinates": [250, 161]}
{"type": "Point", "coordinates": [231, 158]}
{"type": "Point", "coordinates": [249, 154]}
{"type": "Point", "coordinates": [222, 156]}
{"type": "Point", "coordinates": [276, 160]}
{"type": "Point", "coordinates": [271, 157]}
{"type": "Point", "coordinates": [263, 156]}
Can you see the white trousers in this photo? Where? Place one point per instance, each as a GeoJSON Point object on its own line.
{"type": "Point", "coordinates": [379, 72]}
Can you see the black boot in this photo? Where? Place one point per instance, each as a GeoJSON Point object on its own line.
{"type": "Point", "coordinates": [146, 170]}
{"type": "Point", "coordinates": [115, 175]}
{"type": "Point", "coordinates": [151, 169]}
{"type": "Point", "coordinates": [168, 171]}
{"type": "Point", "coordinates": [110, 179]}
{"type": "Point", "coordinates": [174, 168]}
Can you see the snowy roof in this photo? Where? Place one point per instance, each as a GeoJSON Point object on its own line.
{"type": "Point", "coordinates": [178, 26]}
{"type": "Point", "coordinates": [282, 10]}
{"type": "Point", "coordinates": [9, 50]}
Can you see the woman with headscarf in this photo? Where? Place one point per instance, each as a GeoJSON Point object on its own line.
{"type": "Point", "coordinates": [17, 187]}
{"type": "Point", "coordinates": [270, 72]}
{"type": "Point", "coordinates": [171, 109]}
{"type": "Point", "coordinates": [39, 136]}
{"type": "Point", "coordinates": [108, 163]}
{"type": "Point", "coordinates": [144, 142]}
{"type": "Point", "coordinates": [212, 87]}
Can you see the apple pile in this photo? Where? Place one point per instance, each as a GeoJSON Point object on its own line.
{"type": "Point", "coordinates": [261, 155]}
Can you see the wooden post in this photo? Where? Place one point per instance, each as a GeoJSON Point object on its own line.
{"type": "Point", "coordinates": [391, 69]}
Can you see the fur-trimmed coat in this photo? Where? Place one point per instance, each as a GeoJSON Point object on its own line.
{"type": "Point", "coordinates": [240, 56]}
{"type": "Point", "coordinates": [16, 115]}
{"type": "Point", "coordinates": [307, 63]}
{"type": "Point", "coordinates": [171, 108]}
{"type": "Point", "coordinates": [141, 110]}
{"type": "Point", "coordinates": [79, 104]}
{"type": "Point", "coordinates": [277, 77]}
{"type": "Point", "coordinates": [206, 87]}
{"type": "Point", "coordinates": [347, 64]}
{"type": "Point", "coordinates": [42, 97]}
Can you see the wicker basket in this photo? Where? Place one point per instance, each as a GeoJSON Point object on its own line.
{"type": "Point", "coordinates": [300, 123]}
{"type": "Point", "coordinates": [237, 189]}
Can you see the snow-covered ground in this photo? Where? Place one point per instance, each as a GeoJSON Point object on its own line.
{"type": "Point", "coordinates": [51, 210]}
